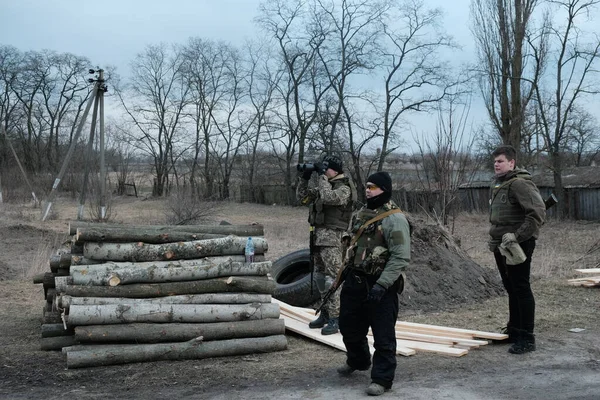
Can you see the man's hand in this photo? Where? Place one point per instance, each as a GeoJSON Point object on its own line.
{"type": "Point", "coordinates": [376, 293]}
{"type": "Point", "coordinates": [508, 239]}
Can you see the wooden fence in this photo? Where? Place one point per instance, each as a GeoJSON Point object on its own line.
{"type": "Point", "coordinates": [581, 203]}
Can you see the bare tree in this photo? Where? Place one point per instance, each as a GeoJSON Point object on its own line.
{"type": "Point", "coordinates": [448, 159]}
{"type": "Point", "coordinates": [9, 67]}
{"type": "Point", "coordinates": [570, 79]}
{"type": "Point", "coordinates": [415, 78]}
{"type": "Point", "coordinates": [262, 80]}
{"type": "Point", "coordinates": [155, 101]}
{"type": "Point", "coordinates": [206, 72]}
{"type": "Point", "coordinates": [350, 31]}
{"type": "Point", "coordinates": [298, 41]}
{"type": "Point", "coordinates": [583, 137]}
{"type": "Point", "coordinates": [505, 39]}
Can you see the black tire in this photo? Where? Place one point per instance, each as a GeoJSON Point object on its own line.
{"type": "Point", "coordinates": [292, 274]}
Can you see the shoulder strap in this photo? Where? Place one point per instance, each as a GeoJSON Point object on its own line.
{"type": "Point", "coordinates": [372, 220]}
{"type": "Point", "coordinates": [495, 191]}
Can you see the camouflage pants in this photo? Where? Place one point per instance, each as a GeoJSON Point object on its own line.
{"type": "Point", "coordinates": [328, 261]}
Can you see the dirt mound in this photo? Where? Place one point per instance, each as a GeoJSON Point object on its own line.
{"type": "Point", "coordinates": [441, 274]}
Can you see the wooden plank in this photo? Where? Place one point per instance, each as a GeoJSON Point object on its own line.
{"type": "Point", "coordinates": [474, 333]}
{"type": "Point", "coordinates": [588, 270]}
{"type": "Point", "coordinates": [469, 343]}
{"type": "Point", "coordinates": [300, 327]}
{"type": "Point", "coordinates": [299, 324]}
{"type": "Point", "coordinates": [432, 347]}
{"type": "Point", "coordinates": [587, 278]}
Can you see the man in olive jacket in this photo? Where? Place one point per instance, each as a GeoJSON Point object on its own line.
{"type": "Point", "coordinates": [330, 209]}
{"type": "Point", "coordinates": [517, 212]}
{"type": "Point", "coordinates": [369, 297]}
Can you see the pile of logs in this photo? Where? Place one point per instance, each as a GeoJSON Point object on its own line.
{"type": "Point", "coordinates": [592, 278]}
{"type": "Point", "coordinates": [147, 293]}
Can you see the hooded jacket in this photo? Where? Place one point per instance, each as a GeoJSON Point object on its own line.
{"type": "Point", "coordinates": [515, 206]}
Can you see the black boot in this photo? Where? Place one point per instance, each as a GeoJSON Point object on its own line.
{"type": "Point", "coordinates": [524, 344]}
{"type": "Point", "coordinates": [319, 322]}
{"type": "Point", "coordinates": [331, 328]}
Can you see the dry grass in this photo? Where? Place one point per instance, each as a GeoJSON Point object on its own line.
{"type": "Point", "coordinates": [562, 245]}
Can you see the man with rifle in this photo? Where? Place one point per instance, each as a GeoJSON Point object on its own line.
{"type": "Point", "coordinates": [330, 209]}
{"type": "Point", "coordinates": [378, 252]}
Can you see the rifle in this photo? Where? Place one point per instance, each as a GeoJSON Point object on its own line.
{"type": "Point", "coordinates": [339, 279]}
{"type": "Point", "coordinates": [311, 262]}
{"type": "Point", "coordinates": [550, 201]}
{"type": "Point", "coordinates": [347, 262]}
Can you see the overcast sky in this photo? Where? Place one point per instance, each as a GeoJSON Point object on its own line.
{"type": "Point", "coordinates": [112, 32]}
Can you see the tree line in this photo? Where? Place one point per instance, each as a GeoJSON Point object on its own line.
{"type": "Point", "coordinates": [342, 77]}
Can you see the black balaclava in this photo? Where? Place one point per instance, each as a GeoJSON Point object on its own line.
{"type": "Point", "coordinates": [384, 181]}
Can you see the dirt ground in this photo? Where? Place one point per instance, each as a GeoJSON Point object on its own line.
{"type": "Point", "coordinates": [565, 366]}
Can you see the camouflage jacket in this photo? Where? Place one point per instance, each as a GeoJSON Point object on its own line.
{"type": "Point", "coordinates": [331, 194]}
{"type": "Point", "coordinates": [384, 246]}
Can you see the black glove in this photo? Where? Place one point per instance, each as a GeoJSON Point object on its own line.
{"type": "Point", "coordinates": [320, 168]}
{"type": "Point", "coordinates": [376, 293]}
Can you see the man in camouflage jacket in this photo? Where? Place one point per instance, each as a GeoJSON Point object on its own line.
{"type": "Point", "coordinates": [369, 296]}
{"type": "Point", "coordinates": [517, 212]}
{"type": "Point", "coordinates": [330, 209]}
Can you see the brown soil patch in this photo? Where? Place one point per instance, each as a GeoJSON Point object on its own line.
{"type": "Point", "coordinates": [565, 366]}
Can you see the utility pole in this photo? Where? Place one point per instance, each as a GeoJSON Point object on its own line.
{"type": "Point", "coordinates": [96, 98]}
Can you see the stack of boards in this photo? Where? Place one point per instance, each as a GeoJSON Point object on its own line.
{"type": "Point", "coordinates": [411, 337]}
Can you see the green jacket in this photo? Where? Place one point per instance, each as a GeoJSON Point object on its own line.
{"type": "Point", "coordinates": [515, 206]}
{"type": "Point", "coordinates": [384, 246]}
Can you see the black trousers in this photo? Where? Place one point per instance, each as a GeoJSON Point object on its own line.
{"type": "Point", "coordinates": [521, 303]}
{"type": "Point", "coordinates": [357, 314]}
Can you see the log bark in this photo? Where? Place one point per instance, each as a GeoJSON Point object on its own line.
{"type": "Point", "coordinates": [56, 343]}
{"type": "Point", "coordinates": [81, 260]}
{"type": "Point", "coordinates": [167, 313]}
{"type": "Point", "coordinates": [54, 330]}
{"type": "Point", "coordinates": [190, 350]}
{"type": "Point", "coordinates": [154, 333]}
{"type": "Point", "coordinates": [171, 251]}
{"type": "Point", "coordinates": [111, 275]}
{"type": "Point", "coordinates": [239, 230]}
{"type": "Point", "coordinates": [128, 234]}
{"type": "Point", "coordinates": [145, 290]}
{"type": "Point", "coordinates": [65, 301]}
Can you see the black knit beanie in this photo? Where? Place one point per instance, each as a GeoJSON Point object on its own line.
{"type": "Point", "coordinates": [333, 162]}
{"type": "Point", "coordinates": [381, 179]}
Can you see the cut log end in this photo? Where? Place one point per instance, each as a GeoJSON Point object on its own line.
{"type": "Point", "coordinates": [114, 280]}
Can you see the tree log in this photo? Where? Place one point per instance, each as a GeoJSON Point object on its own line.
{"type": "Point", "coordinates": [110, 275]}
{"type": "Point", "coordinates": [65, 301]}
{"type": "Point", "coordinates": [143, 290]}
{"type": "Point", "coordinates": [190, 350]}
{"type": "Point", "coordinates": [165, 313]}
{"type": "Point", "coordinates": [56, 342]}
{"type": "Point", "coordinates": [170, 251]}
{"type": "Point", "coordinates": [54, 330]}
{"type": "Point", "coordinates": [128, 234]}
{"type": "Point", "coordinates": [239, 230]}
{"type": "Point", "coordinates": [154, 333]}
{"type": "Point", "coordinates": [81, 260]}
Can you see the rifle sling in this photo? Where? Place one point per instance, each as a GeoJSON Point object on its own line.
{"type": "Point", "coordinates": [369, 222]}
